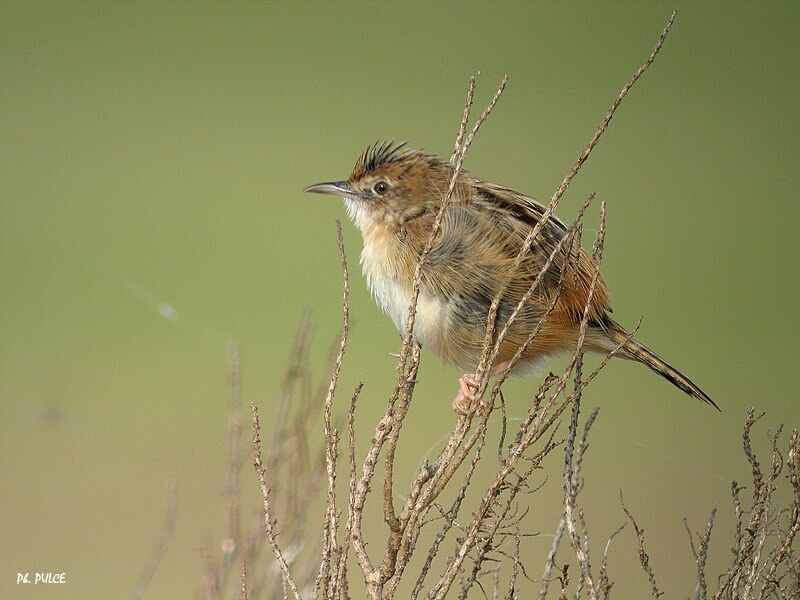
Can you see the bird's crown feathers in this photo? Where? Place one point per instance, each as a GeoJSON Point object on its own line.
{"type": "Point", "coordinates": [378, 155]}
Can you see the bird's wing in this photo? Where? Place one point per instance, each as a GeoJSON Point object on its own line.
{"type": "Point", "coordinates": [506, 219]}
{"type": "Point", "coordinates": [523, 208]}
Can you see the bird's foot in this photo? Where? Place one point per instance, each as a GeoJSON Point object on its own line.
{"type": "Point", "coordinates": [468, 384]}
{"type": "Point", "coordinates": [466, 398]}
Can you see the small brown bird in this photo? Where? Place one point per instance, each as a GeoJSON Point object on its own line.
{"type": "Point", "coordinates": [393, 196]}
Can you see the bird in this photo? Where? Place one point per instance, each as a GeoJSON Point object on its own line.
{"type": "Point", "coordinates": [393, 196]}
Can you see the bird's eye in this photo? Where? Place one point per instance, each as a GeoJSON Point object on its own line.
{"type": "Point", "coordinates": [381, 187]}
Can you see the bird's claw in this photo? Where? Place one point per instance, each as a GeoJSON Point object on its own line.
{"type": "Point", "coordinates": [465, 401]}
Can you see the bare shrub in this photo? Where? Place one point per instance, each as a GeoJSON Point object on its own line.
{"type": "Point", "coordinates": [297, 469]}
{"type": "Point", "coordinates": [448, 536]}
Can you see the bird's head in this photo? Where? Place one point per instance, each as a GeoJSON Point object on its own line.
{"type": "Point", "coordinates": [390, 185]}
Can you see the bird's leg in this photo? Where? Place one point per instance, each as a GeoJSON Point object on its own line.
{"type": "Point", "coordinates": [468, 387]}
{"type": "Point", "coordinates": [497, 367]}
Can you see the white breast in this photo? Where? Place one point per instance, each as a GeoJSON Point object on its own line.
{"type": "Point", "coordinates": [391, 290]}
{"type": "Point", "coordinates": [394, 297]}
{"type": "Point", "coordinates": [385, 286]}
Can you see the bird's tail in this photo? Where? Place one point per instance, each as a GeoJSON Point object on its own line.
{"type": "Point", "coordinates": [634, 350]}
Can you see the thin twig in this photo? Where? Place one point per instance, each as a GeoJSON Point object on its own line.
{"type": "Point", "coordinates": [269, 524]}
{"type": "Point", "coordinates": [340, 579]}
{"type": "Point", "coordinates": [326, 585]}
{"type": "Point", "coordinates": [551, 559]}
{"type": "Point", "coordinates": [234, 445]}
{"type": "Point", "coordinates": [701, 589]}
{"type": "Point", "coordinates": [244, 580]}
{"type": "Point", "coordinates": [644, 559]}
{"type": "Point", "coordinates": [571, 474]}
{"type": "Point", "coordinates": [604, 583]}
{"type": "Point", "coordinates": [164, 538]}
{"type": "Point", "coordinates": [462, 127]}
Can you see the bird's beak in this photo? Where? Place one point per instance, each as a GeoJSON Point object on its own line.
{"type": "Point", "coordinates": [334, 188]}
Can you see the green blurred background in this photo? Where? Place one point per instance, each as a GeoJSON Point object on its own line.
{"type": "Point", "coordinates": [152, 166]}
